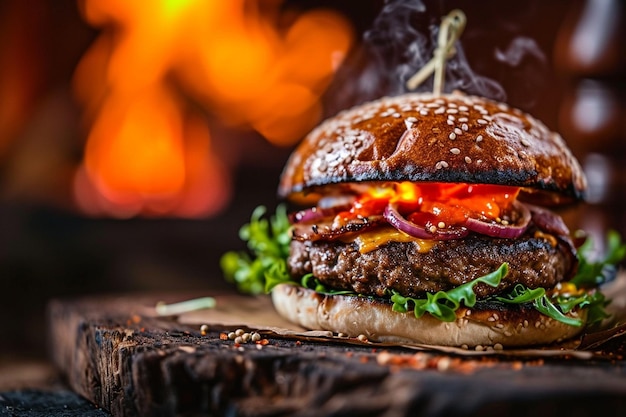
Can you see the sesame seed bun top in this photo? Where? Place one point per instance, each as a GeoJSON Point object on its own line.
{"type": "Point", "coordinates": [423, 138]}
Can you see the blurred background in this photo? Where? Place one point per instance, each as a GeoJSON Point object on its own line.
{"type": "Point", "coordinates": [136, 138]}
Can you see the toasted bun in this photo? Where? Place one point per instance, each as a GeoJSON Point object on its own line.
{"type": "Point", "coordinates": [376, 320]}
{"type": "Point", "coordinates": [420, 137]}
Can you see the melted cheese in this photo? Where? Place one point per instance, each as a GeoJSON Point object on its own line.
{"type": "Point", "coordinates": [373, 239]}
{"type": "Point", "coordinates": [551, 239]}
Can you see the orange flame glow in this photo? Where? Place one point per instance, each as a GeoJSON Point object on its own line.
{"type": "Point", "coordinates": [147, 153]}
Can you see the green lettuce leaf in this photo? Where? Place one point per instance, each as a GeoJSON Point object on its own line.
{"type": "Point", "coordinates": [312, 283]}
{"type": "Point", "coordinates": [444, 304]}
{"type": "Point", "coordinates": [557, 307]}
{"type": "Point", "coordinates": [592, 273]}
{"type": "Point", "coordinates": [268, 241]}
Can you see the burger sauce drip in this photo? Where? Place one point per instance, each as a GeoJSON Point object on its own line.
{"type": "Point", "coordinates": [435, 204]}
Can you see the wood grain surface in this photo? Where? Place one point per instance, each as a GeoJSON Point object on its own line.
{"type": "Point", "coordinates": [119, 354]}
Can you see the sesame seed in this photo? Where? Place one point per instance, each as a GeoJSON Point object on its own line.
{"type": "Point", "coordinates": [453, 111]}
{"type": "Point", "coordinates": [423, 112]}
{"type": "Point", "coordinates": [498, 346]}
{"type": "Point", "coordinates": [443, 363]}
{"type": "Point", "coordinates": [479, 138]}
{"type": "Point", "coordinates": [438, 165]}
{"type": "Point", "coordinates": [452, 136]}
{"type": "Point", "coordinates": [465, 127]}
{"type": "Point", "coordinates": [451, 117]}
{"type": "Point", "coordinates": [453, 105]}
{"type": "Point", "coordinates": [455, 151]}
{"type": "Point", "coordinates": [450, 122]}
{"type": "Point", "coordinates": [441, 225]}
{"type": "Point", "coordinates": [468, 159]}
{"type": "Point", "coordinates": [463, 119]}
{"type": "Point", "coordinates": [479, 348]}
{"type": "Point", "coordinates": [444, 164]}
{"type": "Point", "coordinates": [458, 131]}
{"type": "Point", "coordinates": [508, 333]}
{"type": "Point", "coordinates": [432, 105]}
{"type": "Point", "coordinates": [396, 115]}
{"type": "Point", "coordinates": [362, 338]}
{"type": "Point", "coordinates": [411, 119]}
{"type": "Point", "coordinates": [440, 110]}
{"type": "Point", "coordinates": [525, 142]}
{"type": "Point", "coordinates": [481, 121]}
{"type": "Point", "coordinates": [432, 229]}
{"type": "Point", "coordinates": [463, 108]}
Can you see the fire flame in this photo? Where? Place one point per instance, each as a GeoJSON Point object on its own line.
{"type": "Point", "coordinates": [247, 62]}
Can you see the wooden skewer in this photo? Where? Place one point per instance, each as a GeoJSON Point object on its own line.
{"type": "Point", "coordinates": [450, 31]}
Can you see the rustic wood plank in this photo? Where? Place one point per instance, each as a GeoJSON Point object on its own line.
{"type": "Point", "coordinates": [39, 402]}
{"type": "Point", "coordinates": [117, 354]}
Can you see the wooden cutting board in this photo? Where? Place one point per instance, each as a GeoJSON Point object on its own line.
{"type": "Point", "coordinates": [118, 353]}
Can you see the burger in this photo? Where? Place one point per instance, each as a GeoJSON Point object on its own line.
{"type": "Point", "coordinates": [429, 219]}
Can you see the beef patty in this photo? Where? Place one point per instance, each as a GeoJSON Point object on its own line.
{"type": "Point", "coordinates": [534, 262]}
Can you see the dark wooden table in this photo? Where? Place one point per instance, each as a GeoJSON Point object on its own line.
{"type": "Point", "coordinates": [120, 355]}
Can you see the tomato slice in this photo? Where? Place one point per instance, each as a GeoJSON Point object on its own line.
{"type": "Point", "coordinates": [435, 203]}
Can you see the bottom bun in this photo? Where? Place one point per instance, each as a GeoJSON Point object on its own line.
{"type": "Point", "coordinates": [354, 316]}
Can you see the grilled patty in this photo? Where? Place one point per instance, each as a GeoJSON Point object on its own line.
{"type": "Point", "coordinates": [532, 261]}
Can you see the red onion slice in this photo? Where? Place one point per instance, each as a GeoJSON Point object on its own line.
{"type": "Point", "coordinates": [548, 221]}
{"type": "Point", "coordinates": [500, 230]}
{"type": "Point", "coordinates": [328, 230]}
{"type": "Point", "coordinates": [395, 219]}
{"type": "Point", "coordinates": [314, 214]}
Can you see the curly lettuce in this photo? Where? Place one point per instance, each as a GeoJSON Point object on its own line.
{"type": "Point", "coordinates": [268, 243]}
